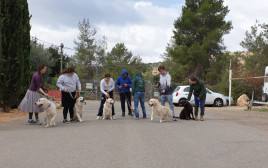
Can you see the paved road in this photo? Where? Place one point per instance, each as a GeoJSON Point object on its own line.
{"type": "Point", "coordinates": [128, 143]}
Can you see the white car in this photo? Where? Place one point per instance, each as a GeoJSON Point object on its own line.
{"type": "Point", "coordinates": [212, 98]}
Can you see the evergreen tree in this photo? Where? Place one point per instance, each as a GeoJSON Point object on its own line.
{"type": "Point", "coordinates": [121, 58]}
{"type": "Point", "coordinates": [85, 50]}
{"type": "Point", "coordinates": [14, 58]}
{"type": "Point", "coordinates": [198, 38]}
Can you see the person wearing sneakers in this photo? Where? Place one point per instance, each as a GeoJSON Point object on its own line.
{"type": "Point", "coordinates": [138, 90]}
{"type": "Point", "coordinates": [68, 82]}
{"type": "Point", "coordinates": [124, 83]}
{"type": "Point", "coordinates": [32, 95]}
{"type": "Point", "coordinates": [106, 87]}
{"type": "Point", "coordinates": [198, 88]}
{"type": "Point", "coordinates": [165, 88]}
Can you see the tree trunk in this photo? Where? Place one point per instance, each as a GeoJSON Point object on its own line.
{"type": "Point", "coordinates": [6, 108]}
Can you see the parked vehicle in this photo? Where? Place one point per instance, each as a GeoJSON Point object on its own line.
{"type": "Point", "coordinates": [265, 87]}
{"type": "Point", "coordinates": [227, 100]}
{"type": "Point", "coordinates": [215, 99]}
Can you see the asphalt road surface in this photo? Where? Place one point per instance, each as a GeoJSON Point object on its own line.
{"type": "Point", "coordinates": [127, 143]}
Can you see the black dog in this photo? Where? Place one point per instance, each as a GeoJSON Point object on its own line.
{"type": "Point", "coordinates": [187, 111]}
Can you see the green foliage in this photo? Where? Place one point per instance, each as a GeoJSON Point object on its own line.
{"type": "Point", "coordinates": [256, 42]}
{"type": "Point", "coordinates": [15, 52]}
{"type": "Point", "coordinates": [197, 43]}
{"type": "Point", "coordinates": [54, 55]}
{"type": "Point", "coordinates": [121, 58]}
{"type": "Point", "coordinates": [89, 51]}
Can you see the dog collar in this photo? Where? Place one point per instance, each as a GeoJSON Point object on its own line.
{"type": "Point", "coordinates": [48, 106]}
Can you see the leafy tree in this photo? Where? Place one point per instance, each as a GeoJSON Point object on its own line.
{"type": "Point", "coordinates": [256, 42]}
{"type": "Point", "coordinates": [86, 47]}
{"type": "Point", "coordinates": [14, 57]}
{"type": "Point", "coordinates": [41, 55]}
{"type": "Point", "coordinates": [197, 42]}
{"type": "Point", "coordinates": [121, 58]}
{"type": "Point", "coordinates": [56, 57]}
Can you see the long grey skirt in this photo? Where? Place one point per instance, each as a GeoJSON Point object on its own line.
{"type": "Point", "coordinates": [28, 102]}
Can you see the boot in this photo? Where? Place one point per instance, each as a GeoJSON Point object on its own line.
{"type": "Point", "coordinates": [123, 114]}
{"type": "Point", "coordinates": [201, 118]}
{"type": "Point", "coordinates": [196, 118]}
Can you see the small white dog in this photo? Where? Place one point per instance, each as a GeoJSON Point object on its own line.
{"type": "Point", "coordinates": [79, 108]}
{"type": "Point", "coordinates": [159, 110]}
{"type": "Point", "coordinates": [107, 109]}
{"type": "Point", "coordinates": [49, 109]}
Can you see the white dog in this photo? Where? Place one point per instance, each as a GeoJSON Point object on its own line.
{"type": "Point", "coordinates": [107, 109]}
{"type": "Point", "coordinates": [79, 108]}
{"type": "Point", "coordinates": [49, 109]}
{"type": "Point", "coordinates": [159, 110]}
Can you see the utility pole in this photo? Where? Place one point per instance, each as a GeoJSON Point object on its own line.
{"type": "Point", "coordinates": [230, 82]}
{"type": "Point", "coordinates": [96, 91]}
{"type": "Point", "coordinates": [61, 52]}
{"type": "Point", "coordinates": [150, 84]}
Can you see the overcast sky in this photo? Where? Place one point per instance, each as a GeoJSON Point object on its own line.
{"type": "Point", "coordinates": [144, 26]}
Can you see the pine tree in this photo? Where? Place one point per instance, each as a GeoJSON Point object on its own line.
{"type": "Point", "coordinates": [198, 37]}
{"type": "Point", "coordinates": [14, 60]}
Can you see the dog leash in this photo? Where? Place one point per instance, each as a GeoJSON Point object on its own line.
{"type": "Point", "coordinates": [72, 95]}
{"type": "Point", "coordinates": [126, 98]}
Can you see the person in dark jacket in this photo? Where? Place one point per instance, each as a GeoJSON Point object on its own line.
{"type": "Point", "coordinates": [138, 90]}
{"type": "Point", "coordinates": [124, 83]}
{"type": "Point", "coordinates": [198, 88]}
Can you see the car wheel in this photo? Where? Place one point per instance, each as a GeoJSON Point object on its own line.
{"type": "Point", "coordinates": [264, 97]}
{"type": "Point", "coordinates": [218, 103]}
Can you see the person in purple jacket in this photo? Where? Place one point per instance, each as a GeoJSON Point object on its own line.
{"type": "Point", "coordinates": [32, 95]}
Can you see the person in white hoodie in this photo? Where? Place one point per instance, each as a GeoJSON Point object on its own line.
{"type": "Point", "coordinates": [165, 88]}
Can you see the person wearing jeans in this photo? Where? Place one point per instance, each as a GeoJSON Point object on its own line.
{"type": "Point", "coordinates": [124, 83]}
{"type": "Point", "coordinates": [165, 88]}
{"type": "Point", "coordinates": [197, 87]}
{"type": "Point", "coordinates": [106, 87]}
{"type": "Point", "coordinates": [138, 90]}
{"type": "Point", "coordinates": [201, 103]}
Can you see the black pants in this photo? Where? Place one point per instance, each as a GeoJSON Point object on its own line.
{"type": "Point", "coordinates": [31, 116]}
{"type": "Point", "coordinates": [65, 112]}
{"type": "Point", "coordinates": [68, 104]}
{"type": "Point", "coordinates": [103, 99]}
{"type": "Point", "coordinates": [123, 97]}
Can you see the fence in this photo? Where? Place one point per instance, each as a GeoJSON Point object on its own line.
{"type": "Point", "coordinates": [92, 90]}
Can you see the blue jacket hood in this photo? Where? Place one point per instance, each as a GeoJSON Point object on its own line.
{"type": "Point", "coordinates": [123, 72]}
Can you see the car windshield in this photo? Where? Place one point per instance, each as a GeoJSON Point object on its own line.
{"type": "Point", "coordinates": [177, 89]}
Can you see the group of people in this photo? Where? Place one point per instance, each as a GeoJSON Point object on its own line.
{"type": "Point", "coordinates": [69, 84]}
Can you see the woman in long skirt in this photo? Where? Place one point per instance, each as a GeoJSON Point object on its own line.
{"type": "Point", "coordinates": [68, 82]}
{"type": "Point", "coordinates": [32, 95]}
{"type": "Point", "coordinates": [107, 87]}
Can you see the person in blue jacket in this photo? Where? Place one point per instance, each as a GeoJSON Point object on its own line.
{"type": "Point", "coordinates": [124, 83]}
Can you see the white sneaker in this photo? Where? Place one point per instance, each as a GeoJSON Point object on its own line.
{"type": "Point", "coordinates": [114, 118]}
{"type": "Point", "coordinates": [98, 118]}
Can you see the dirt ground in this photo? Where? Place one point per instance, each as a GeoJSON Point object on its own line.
{"type": "Point", "coordinates": [15, 114]}
{"type": "Point", "coordinates": [254, 118]}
